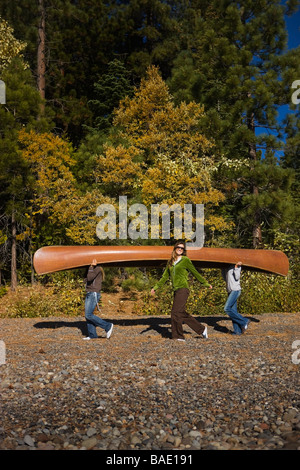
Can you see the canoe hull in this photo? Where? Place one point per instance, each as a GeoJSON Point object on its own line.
{"type": "Point", "coordinates": [50, 259]}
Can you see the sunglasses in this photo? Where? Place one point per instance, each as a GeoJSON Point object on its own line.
{"type": "Point", "coordinates": [179, 248]}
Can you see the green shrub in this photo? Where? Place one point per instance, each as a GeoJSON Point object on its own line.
{"type": "Point", "coordinates": [47, 301]}
{"type": "Point", "coordinates": [64, 296]}
{"type": "Point", "coordinates": [261, 293]}
{"type": "Point", "coordinates": [3, 291]}
{"type": "Point", "coordinates": [136, 280]}
{"type": "Point", "coordinates": [269, 293]}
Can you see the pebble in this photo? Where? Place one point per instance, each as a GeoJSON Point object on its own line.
{"type": "Point", "coordinates": [141, 390]}
{"type": "Point", "coordinates": [28, 441]}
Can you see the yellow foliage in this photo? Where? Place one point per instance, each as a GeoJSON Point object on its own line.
{"type": "Point", "coordinates": [173, 182]}
{"type": "Point", "coordinates": [49, 158]}
{"type": "Point", "coordinates": [54, 193]}
{"type": "Point", "coordinates": [152, 96]}
{"type": "Point", "coordinates": [10, 47]}
{"type": "Point", "coordinates": [3, 237]}
{"type": "Point", "coordinates": [118, 169]}
{"type": "Point", "coordinates": [78, 213]}
{"type": "Point", "coordinates": [218, 223]}
{"type": "Point", "coordinates": [178, 162]}
{"type": "Point", "coordinates": [152, 122]}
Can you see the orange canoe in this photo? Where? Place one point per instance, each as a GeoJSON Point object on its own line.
{"type": "Point", "coordinates": [58, 258]}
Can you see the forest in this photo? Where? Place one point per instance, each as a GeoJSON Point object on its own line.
{"type": "Point", "coordinates": [161, 101]}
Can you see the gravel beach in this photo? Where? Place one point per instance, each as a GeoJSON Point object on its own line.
{"type": "Point", "coordinates": [140, 390]}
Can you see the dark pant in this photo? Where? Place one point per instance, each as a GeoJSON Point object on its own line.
{"type": "Point", "coordinates": [180, 316]}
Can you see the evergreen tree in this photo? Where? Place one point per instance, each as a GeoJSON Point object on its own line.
{"type": "Point", "coordinates": [238, 59]}
{"type": "Point", "coordinates": [21, 111]}
{"type": "Point", "coordinates": [165, 159]}
{"type": "Point", "coordinates": [69, 45]}
{"type": "Point", "coordinates": [109, 90]}
{"type": "Point", "coordinates": [149, 34]}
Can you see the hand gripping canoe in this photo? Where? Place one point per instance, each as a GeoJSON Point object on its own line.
{"type": "Point", "coordinates": [50, 259]}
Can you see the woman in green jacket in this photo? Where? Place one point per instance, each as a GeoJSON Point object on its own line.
{"type": "Point", "coordinates": [177, 270]}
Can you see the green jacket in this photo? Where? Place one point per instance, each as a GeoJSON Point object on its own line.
{"type": "Point", "coordinates": [178, 274]}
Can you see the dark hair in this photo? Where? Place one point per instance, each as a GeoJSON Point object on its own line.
{"type": "Point", "coordinates": [174, 255]}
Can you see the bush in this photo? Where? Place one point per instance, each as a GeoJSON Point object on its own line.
{"type": "Point", "coordinates": [269, 293]}
{"type": "Point", "coordinates": [64, 296]}
{"type": "Point", "coordinates": [261, 293]}
{"type": "Point", "coordinates": [137, 280]}
{"type": "Point", "coordinates": [39, 301]}
{"type": "Point", "coordinates": [3, 291]}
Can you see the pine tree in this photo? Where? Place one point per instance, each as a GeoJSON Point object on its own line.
{"type": "Point", "coordinates": [70, 44]}
{"type": "Point", "coordinates": [21, 111]}
{"type": "Point", "coordinates": [165, 159]}
{"type": "Point", "coordinates": [108, 92]}
{"type": "Point", "coordinates": [238, 59]}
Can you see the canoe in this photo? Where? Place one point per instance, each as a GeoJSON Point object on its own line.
{"type": "Point", "coordinates": [49, 259]}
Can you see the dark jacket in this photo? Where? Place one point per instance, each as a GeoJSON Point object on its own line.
{"type": "Point", "coordinates": [93, 279]}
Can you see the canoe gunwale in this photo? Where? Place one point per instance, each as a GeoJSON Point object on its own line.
{"type": "Point", "coordinates": [50, 259]}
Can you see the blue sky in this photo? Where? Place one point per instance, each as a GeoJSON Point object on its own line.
{"type": "Point", "coordinates": [293, 24]}
{"type": "Point", "coordinates": [293, 28]}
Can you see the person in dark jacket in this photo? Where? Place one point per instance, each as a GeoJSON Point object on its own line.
{"type": "Point", "coordinates": [93, 284]}
{"type": "Point", "coordinates": [178, 268]}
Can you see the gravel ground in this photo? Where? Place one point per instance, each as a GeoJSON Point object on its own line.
{"type": "Point", "coordinates": [140, 390]}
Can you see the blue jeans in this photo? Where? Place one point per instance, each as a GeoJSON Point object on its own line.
{"type": "Point", "coordinates": [91, 300]}
{"type": "Point", "coordinates": [230, 308]}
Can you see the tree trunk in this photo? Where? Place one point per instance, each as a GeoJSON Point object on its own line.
{"type": "Point", "coordinates": [256, 232]}
{"type": "Point", "coordinates": [32, 269]}
{"type": "Point", "coordinates": [13, 253]}
{"type": "Point", "coordinates": [31, 257]}
{"type": "Point", "coordinates": [41, 54]}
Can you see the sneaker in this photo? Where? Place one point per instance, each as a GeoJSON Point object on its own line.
{"type": "Point", "coordinates": [109, 332]}
{"type": "Point", "coordinates": [204, 334]}
{"type": "Point", "coordinates": [87, 338]}
{"type": "Point", "coordinates": [245, 327]}
{"type": "Point", "coordinates": [181, 339]}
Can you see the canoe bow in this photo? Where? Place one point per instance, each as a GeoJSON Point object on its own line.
{"type": "Point", "coordinates": [50, 259]}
